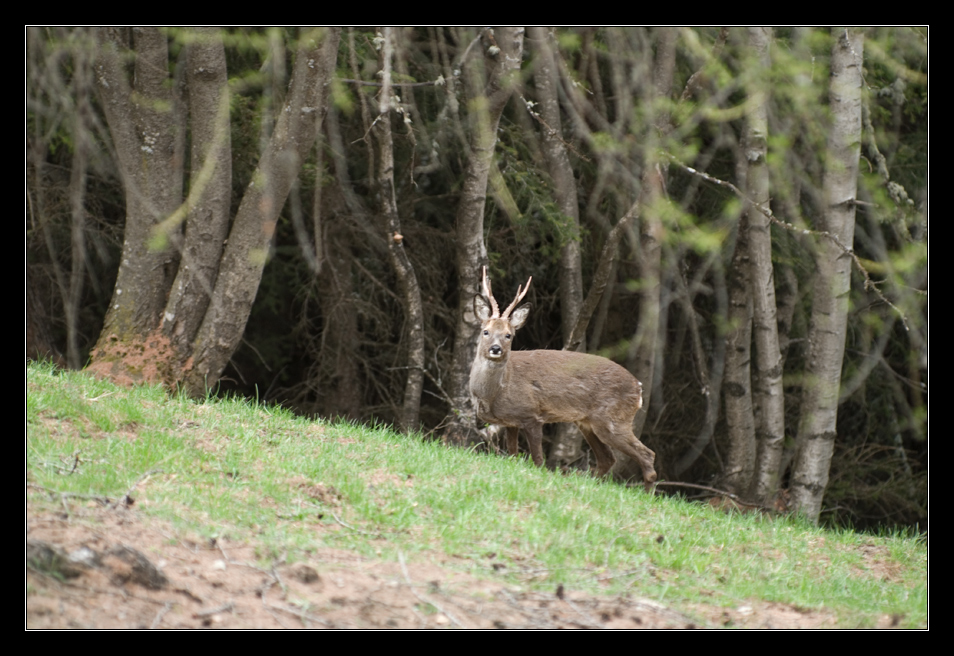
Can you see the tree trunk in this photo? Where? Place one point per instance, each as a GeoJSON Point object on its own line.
{"type": "Point", "coordinates": [768, 397]}
{"type": "Point", "coordinates": [739, 417]}
{"type": "Point", "coordinates": [486, 101]}
{"type": "Point", "coordinates": [210, 193]}
{"type": "Point", "coordinates": [827, 330]}
{"type": "Point", "coordinates": [566, 445]}
{"type": "Point", "coordinates": [245, 254]}
{"type": "Point", "coordinates": [411, 292]}
{"type": "Point", "coordinates": [82, 123]}
{"type": "Point", "coordinates": [147, 139]}
{"type": "Point", "coordinates": [643, 349]}
{"type": "Point", "coordinates": [148, 129]}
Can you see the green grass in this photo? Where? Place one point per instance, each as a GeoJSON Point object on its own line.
{"type": "Point", "coordinates": [250, 472]}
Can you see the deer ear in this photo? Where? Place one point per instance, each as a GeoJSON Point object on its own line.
{"type": "Point", "coordinates": [519, 316]}
{"type": "Point", "coordinates": [481, 307]}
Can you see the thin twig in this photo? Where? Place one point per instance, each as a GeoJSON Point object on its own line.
{"type": "Point", "coordinates": [869, 283]}
{"type": "Point", "coordinates": [345, 524]}
{"type": "Point", "coordinates": [162, 612]}
{"type": "Point", "coordinates": [440, 81]}
{"type": "Point", "coordinates": [699, 487]}
{"type": "Point", "coordinates": [104, 500]}
{"type": "Point", "coordinates": [300, 614]}
{"type": "Point", "coordinates": [227, 606]}
{"type": "Point", "coordinates": [591, 621]}
{"type": "Point", "coordinates": [125, 498]}
{"type": "Point", "coordinates": [443, 610]}
{"type": "Point", "coordinates": [536, 115]}
{"type": "Point", "coordinates": [735, 498]}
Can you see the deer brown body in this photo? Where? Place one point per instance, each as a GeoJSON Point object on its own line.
{"type": "Point", "coordinates": [527, 389]}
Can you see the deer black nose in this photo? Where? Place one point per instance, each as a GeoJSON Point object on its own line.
{"type": "Point", "coordinates": [495, 350]}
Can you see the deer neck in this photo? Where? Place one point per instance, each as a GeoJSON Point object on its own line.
{"type": "Point", "coordinates": [488, 377]}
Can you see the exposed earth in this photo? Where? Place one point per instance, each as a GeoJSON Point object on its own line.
{"type": "Point", "coordinates": [114, 568]}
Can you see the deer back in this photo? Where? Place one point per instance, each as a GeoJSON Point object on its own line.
{"type": "Point", "coordinates": [563, 386]}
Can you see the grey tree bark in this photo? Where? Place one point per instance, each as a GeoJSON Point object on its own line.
{"type": "Point", "coordinates": [827, 330]}
{"type": "Point", "coordinates": [204, 313]}
{"type": "Point", "coordinates": [410, 290]}
{"type": "Point", "coordinates": [148, 139]}
{"type": "Point", "coordinates": [245, 254]}
{"type": "Point", "coordinates": [768, 397]}
{"type": "Point", "coordinates": [651, 229]}
{"type": "Point", "coordinates": [82, 124]}
{"type": "Point", "coordinates": [566, 445]}
{"type": "Point", "coordinates": [643, 351]}
{"type": "Point", "coordinates": [737, 386]}
{"type": "Point", "coordinates": [489, 82]}
{"type": "Point", "coordinates": [208, 205]}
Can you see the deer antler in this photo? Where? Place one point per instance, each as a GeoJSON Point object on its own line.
{"type": "Point", "coordinates": [521, 292]}
{"type": "Point", "coordinates": [490, 296]}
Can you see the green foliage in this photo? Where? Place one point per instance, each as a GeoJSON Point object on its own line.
{"type": "Point", "coordinates": [570, 42]}
{"type": "Point", "coordinates": [343, 98]}
{"type": "Point", "coordinates": [538, 223]}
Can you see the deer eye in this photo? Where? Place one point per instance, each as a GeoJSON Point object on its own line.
{"type": "Point", "coordinates": [507, 335]}
{"type": "Point", "coordinates": [486, 332]}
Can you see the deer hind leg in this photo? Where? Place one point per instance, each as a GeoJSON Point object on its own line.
{"type": "Point", "coordinates": [512, 433]}
{"type": "Point", "coordinates": [604, 455]}
{"type": "Point", "coordinates": [620, 436]}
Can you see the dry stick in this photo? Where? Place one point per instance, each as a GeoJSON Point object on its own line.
{"type": "Point", "coordinates": [591, 622]}
{"type": "Point", "coordinates": [530, 611]}
{"type": "Point", "coordinates": [218, 543]}
{"type": "Point", "coordinates": [410, 585]}
{"type": "Point", "coordinates": [700, 487]}
{"type": "Point", "coordinates": [437, 381]}
{"type": "Point", "coordinates": [343, 523]}
{"type": "Point", "coordinates": [139, 480]}
{"type": "Point", "coordinates": [106, 501]}
{"type": "Point", "coordinates": [529, 106]}
{"type": "Point", "coordinates": [714, 491]}
{"type": "Point", "coordinates": [440, 81]}
{"type": "Point", "coordinates": [271, 611]}
{"type": "Point", "coordinates": [279, 578]}
{"type": "Point", "coordinates": [299, 614]}
{"type": "Point", "coordinates": [869, 283]}
{"type": "Point", "coordinates": [162, 612]}
{"type": "Point", "coordinates": [275, 579]}
{"type": "Point", "coordinates": [227, 606]}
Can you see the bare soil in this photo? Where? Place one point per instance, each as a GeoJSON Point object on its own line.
{"type": "Point", "coordinates": [94, 567]}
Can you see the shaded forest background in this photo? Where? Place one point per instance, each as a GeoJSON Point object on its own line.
{"type": "Point", "coordinates": [690, 171]}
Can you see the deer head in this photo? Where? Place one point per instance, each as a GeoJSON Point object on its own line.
{"type": "Point", "coordinates": [496, 330]}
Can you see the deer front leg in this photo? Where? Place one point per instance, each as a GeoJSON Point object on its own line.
{"type": "Point", "coordinates": [535, 437]}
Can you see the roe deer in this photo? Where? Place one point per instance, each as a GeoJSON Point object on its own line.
{"type": "Point", "coordinates": [526, 389]}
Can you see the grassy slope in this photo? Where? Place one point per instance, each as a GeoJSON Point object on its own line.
{"type": "Point", "coordinates": [229, 467]}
